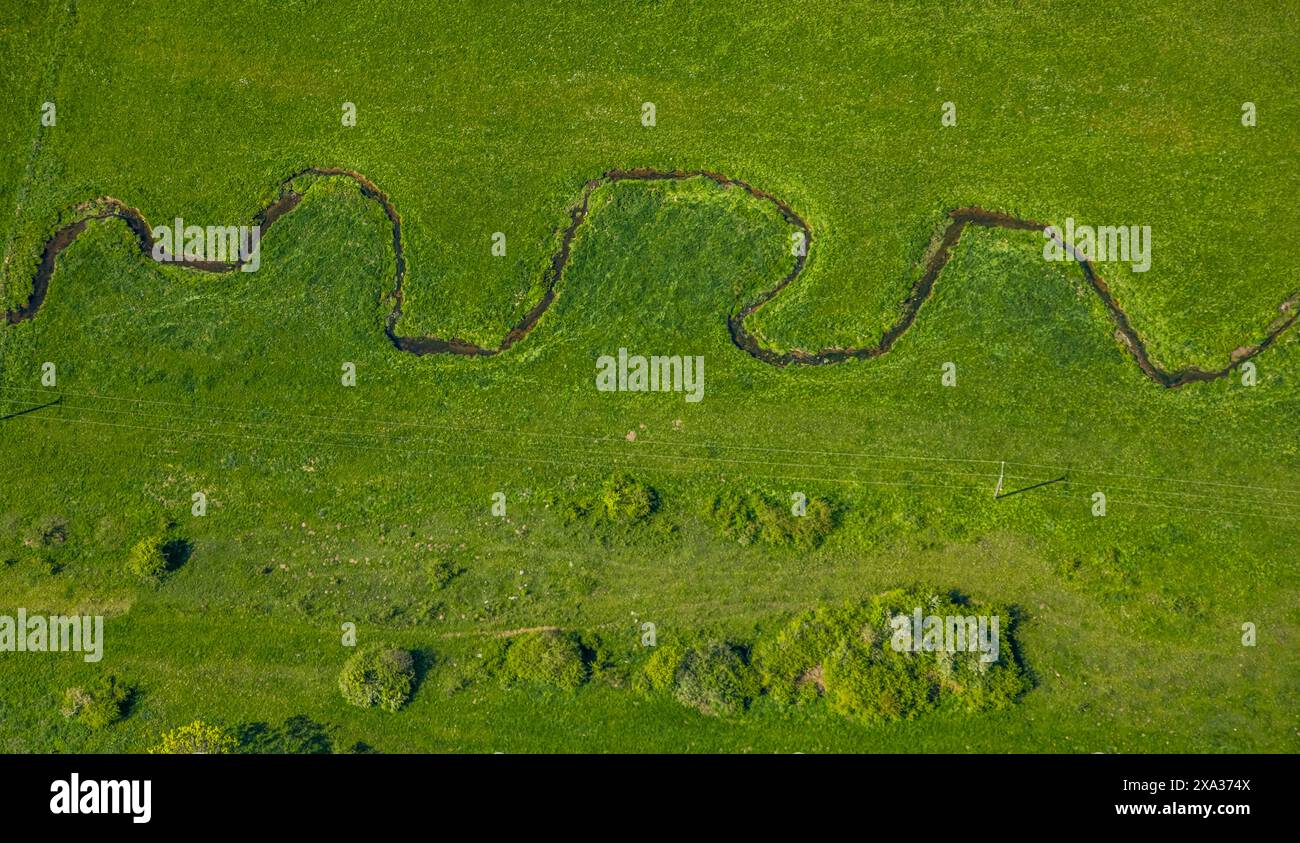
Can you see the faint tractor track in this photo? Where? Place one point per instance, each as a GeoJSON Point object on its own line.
{"type": "Point", "coordinates": [499, 633]}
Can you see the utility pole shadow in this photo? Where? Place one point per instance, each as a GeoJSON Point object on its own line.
{"type": "Point", "coordinates": [1031, 488]}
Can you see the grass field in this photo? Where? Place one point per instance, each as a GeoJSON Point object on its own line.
{"type": "Point", "coordinates": [372, 504]}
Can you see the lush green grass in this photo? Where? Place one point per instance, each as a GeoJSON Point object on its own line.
{"type": "Point", "coordinates": [330, 504]}
{"type": "Point", "coordinates": [480, 121]}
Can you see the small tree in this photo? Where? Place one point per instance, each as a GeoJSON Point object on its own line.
{"type": "Point", "coordinates": [104, 704]}
{"type": "Point", "coordinates": [197, 738]}
{"type": "Point", "coordinates": [148, 559]}
{"type": "Point", "coordinates": [377, 676]}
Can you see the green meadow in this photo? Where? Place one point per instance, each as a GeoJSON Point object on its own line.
{"type": "Point", "coordinates": [373, 505]}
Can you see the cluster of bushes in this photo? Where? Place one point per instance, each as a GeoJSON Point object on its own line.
{"type": "Point", "coordinates": [713, 677]}
{"type": "Point", "coordinates": [848, 658]}
{"type": "Point", "coordinates": [109, 700]}
{"type": "Point", "coordinates": [197, 738]}
{"type": "Point", "coordinates": [622, 500]}
{"type": "Point", "coordinates": [100, 705]}
{"type": "Point", "coordinates": [386, 677]}
{"type": "Point", "coordinates": [45, 543]}
{"type": "Point", "coordinates": [297, 735]}
{"type": "Point", "coordinates": [378, 676]}
{"type": "Point", "coordinates": [750, 516]}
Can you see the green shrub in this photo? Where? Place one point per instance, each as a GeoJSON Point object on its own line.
{"type": "Point", "coordinates": [147, 559]}
{"type": "Point", "coordinates": [810, 529]}
{"type": "Point", "coordinates": [867, 683]}
{"type": "Point", "coordinates": [715, 679]}
{"type": "Point", "coordinates": [484, 663]}
{"type": "Point", "coordinates": [603, 659]}
{"type": "Point", "coordinates": [378, 676]}
{"type": "Point", "coordinates": [105, 703]}
{"type": "Point", "coordinates": [626, 499]}
{"type": "Point", "coordinates": [749, 517]}
{"type": "Point", "coordinates": [845, 655]}
{"type": "Point", "coordinates": [442, 572]}
{"type": "Point", "coordinates": [546, 658]}
{"type": "Point", "coordinates": [197, 738]}
{"type": "Point", "coordinates": [621, 501]}
{"type": "Point", "coordinates": [791, 660]}
{"type": "Point", "coordinates": [661, 668]}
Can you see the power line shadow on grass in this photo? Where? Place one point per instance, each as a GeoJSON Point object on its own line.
{"type": "Point", "coordinates": [18, 413]}
{"type": "Point", "coordinates": [1031, 488]}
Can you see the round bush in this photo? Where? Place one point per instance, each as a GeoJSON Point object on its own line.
{"type": "Point", "coordinates": [377, 676]}
{"type": "Point", "coordinates": [714, 679]}
{"type": "Point", "coordinates": [104, 704]}
{"type": "Point", "coordinates": [147, 559]}
{"type": "Point", "coordinates": [627, 499]}
{"type": "Point", "coordinates": [546, 658]}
